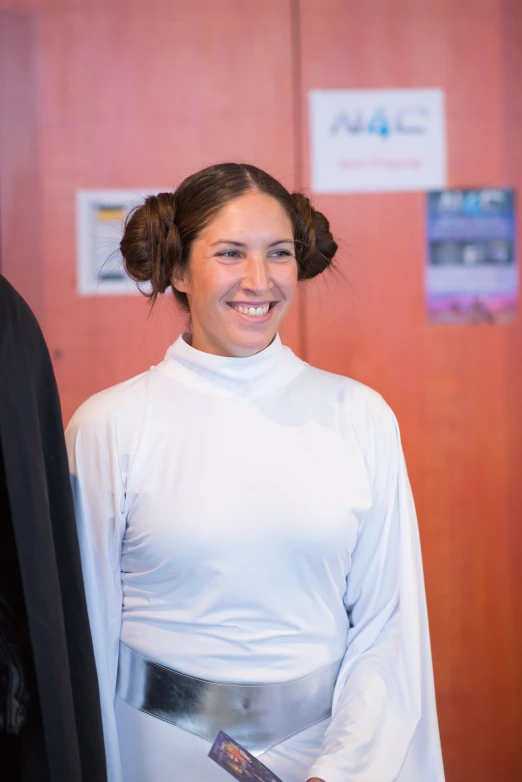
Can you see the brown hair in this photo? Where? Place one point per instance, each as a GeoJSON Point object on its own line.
{"type": "Point", "coordinates": [159, 234]}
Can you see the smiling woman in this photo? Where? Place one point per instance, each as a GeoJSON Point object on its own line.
{"type": "Point", "coordinates": [232, 243]}
{"type": "Point", "coordinates": [249, 541]}
{"type": "Point", "coordinates": [240, 288]}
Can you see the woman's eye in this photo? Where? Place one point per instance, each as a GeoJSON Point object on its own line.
{"type": "Point", "coordinates": [229, 254]}
{"type": "Point", "coordinates": [281, 254]}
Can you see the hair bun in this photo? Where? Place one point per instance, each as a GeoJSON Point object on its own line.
{"type": "Point", "coordinates": [315, 245]}
{"type": "Point", "coordinates": [151, 244]}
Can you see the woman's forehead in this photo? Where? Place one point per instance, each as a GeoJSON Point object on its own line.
{"type": "Point", "coordinates": [252, 214]}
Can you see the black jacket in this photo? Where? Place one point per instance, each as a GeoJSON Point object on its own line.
{"type": "Point", "coordinates": [41, 576]}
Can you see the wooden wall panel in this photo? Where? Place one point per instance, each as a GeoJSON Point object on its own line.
{"type": "Point", "coordinates": [20, 181]}
{"type": "Point", "coordinates": [140, 96]}
{"type": "Point", "coordinates": [448, 385]}
{"type": "Point", "coordinates": [512, 398]}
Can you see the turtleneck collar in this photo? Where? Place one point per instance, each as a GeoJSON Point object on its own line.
{"type": "Point", "coordinates": [245, 377]}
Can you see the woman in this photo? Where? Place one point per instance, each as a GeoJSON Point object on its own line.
{"type": "Point", "coordinates": [248, 534]}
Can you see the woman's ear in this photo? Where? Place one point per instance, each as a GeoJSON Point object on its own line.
{"type": "Point", "coordinates": [180, 280]}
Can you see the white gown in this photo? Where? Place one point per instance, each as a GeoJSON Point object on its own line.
{"type": "Point", "coordinates": [250, 520]}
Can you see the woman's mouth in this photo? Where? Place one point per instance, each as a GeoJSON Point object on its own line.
{"type": "Point", "coordinates": [253, 310]}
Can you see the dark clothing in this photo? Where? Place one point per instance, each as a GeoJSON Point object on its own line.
{"type": "Point", "coordinates": [40, 569]}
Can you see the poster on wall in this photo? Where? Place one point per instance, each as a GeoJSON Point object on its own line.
{"type": "Point", "coordinates": [100, 217]}
{"type": "Point", "coordinates": [377, 140]}
{"type": "Point", "coordinates": [471, 270]}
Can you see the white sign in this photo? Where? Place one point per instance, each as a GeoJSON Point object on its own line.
{"type": "Point", "coordinates": [377, 140]}
{"type": "Point", "coordinates": [100, 219]}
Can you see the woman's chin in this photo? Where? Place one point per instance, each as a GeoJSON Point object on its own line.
{"type": "Point", "coordinates": [248, 343]}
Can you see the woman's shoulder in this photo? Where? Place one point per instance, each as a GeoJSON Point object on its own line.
{"type": "Point", "coordinates": [356, 397]}
{"type": "Point", "coordinates": [112, 406]}
{"type": "Point", "coordinates": [362, 414]}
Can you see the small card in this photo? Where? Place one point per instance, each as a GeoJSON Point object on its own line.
{"type": "Point", "coordinates": [235, 759]}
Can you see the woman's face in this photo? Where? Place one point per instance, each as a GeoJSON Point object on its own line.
{"type": "Point", "coordinates": [241, 277]}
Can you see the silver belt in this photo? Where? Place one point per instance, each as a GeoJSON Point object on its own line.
{"type": "Point", "coordinates": [258, 716]}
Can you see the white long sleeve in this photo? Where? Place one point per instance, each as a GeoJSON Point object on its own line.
{"type": "Point", "coordinates": [384, 725]}
{"type": "Point", "coordinates": [250, 520]}
{"type": "Point", "coordinates": [98, 489]}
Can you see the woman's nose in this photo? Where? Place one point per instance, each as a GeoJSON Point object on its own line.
{"type": "Point", "coordinates": [257, 276]}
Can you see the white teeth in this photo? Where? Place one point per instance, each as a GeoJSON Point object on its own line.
{"type": "Point", "coordinates": [253, 311]}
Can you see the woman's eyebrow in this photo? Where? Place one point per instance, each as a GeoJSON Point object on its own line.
{"type": "Point", "coordinates": [242, 244]}
{"type": "Point", "coordinates": [281, 241]}
{"type": "Point", "coordinates": [228, 241]}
